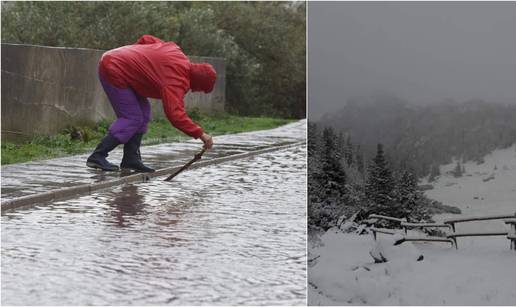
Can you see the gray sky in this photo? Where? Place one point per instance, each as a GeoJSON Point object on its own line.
{"type": "Point", "coordinates": [426, 51]}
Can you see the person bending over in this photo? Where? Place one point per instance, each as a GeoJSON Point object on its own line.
{"type": "Point", "coordinates": [149, 68]}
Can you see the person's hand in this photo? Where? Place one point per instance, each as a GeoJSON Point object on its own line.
{"type": "Point", "coordinates": [207, 140]}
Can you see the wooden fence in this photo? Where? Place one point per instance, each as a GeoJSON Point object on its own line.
{"type": "Point", "coordinates": [509, 219]}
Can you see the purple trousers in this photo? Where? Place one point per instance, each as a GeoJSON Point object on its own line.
{"type": "Point", "coordinates": [133, 111]}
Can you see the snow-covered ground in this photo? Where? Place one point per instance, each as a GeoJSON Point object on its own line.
{"type": "Point", "coordinates": [487, 188]}
{"type": "Point", "coordinates": [346, 275]}
{"type": "Point", "coordinates": [481, 272]}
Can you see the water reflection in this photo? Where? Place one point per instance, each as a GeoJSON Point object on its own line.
{"type": "Point", "coordinates": [127, 202]}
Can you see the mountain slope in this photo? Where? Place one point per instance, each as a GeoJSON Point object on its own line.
{"type": "Point", "coordinates": [422, 137]}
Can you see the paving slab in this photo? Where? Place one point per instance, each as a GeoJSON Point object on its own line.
{"type": "Point", "coordinates": [46, 176]}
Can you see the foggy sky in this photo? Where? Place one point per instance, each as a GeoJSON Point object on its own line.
{"type": "Point", "coordinates": [425, 52]}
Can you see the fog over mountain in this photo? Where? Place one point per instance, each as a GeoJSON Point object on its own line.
{"type": "Point", "coordinates": [424, 52]}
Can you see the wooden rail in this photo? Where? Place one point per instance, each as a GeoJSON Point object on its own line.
{"type": "Point", "coordinates": [407, 225]}
{"type": "Point", "coordinates": [389, 218]}
{"type": "Point", "coordinates": [452, 222]}
{"type": "Point", "coordinates": [424, 239]}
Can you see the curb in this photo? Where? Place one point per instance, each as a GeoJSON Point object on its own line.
{"type": "Point", "coordinates": [85, 189]}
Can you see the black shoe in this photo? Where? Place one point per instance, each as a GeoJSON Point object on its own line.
{"type": "Point", "coordinates": [98, 157]}
{"type": "Point", "coordinates": [132, 159]}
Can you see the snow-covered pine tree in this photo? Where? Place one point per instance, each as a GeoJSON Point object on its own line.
{"type": "Point", "coordinates": [410, 201]}
{"type": "Point", "coordinates": [315, 197]}
{"type": "Point", "coordinates": [314, 162]}
{"type": "Point", "coordinates": [457, 172]}
{"type": "Point", "coordinates": [313, 139]}
{"type": "Point", "coordinates": [340, 146]}
{"type": "Point", "coordinates": [380, 185]}
{"type": "Point", "coordinates": [348, 151]}
{"type": "Point", "coordinates": [434, 172]}
{"type": "Point", "coordinates": [329, 184]}
{"type": "Point", "coordinates": [359, 158]}
{"type": "Point", "coordinates": [333, 173]}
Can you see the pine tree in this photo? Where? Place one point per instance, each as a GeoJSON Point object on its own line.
{"type": "Point", "coordinates": [359, 158]}
{"type": "Point", "coordinates": [434, 172]}
{"type": "Point", "coordinates": [314, 185]}
{"type": "Point", "coordinates": [340, 145]}
{"type": "Point", "coordinates": [348, 151]}
{"type": "Point", "coordinates": [457, 172]}
{"type": "Point", "coordinates": [329, 184]}
{"type": "Point", "coordinates": [313, 138]}
{"type": "Point", "coordinates": [380, 184]}
{"type": "Point", "coordinates": [333, 173]}
{"type": "Point", "coordinates": [410, 201]}
{"type": "Point", "coordinates": [313, 161]}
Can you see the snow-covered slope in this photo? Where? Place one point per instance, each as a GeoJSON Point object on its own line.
{"type": "Point", "coordinates": [481, 272]}
{"type": "Point", "coordinates": [474, 275]}
{"type": "Point", "coordinates": [484, 189]}
{"type": "Point", "coordinates": [487, 188]}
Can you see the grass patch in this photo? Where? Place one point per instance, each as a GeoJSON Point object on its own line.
{"type": "Point", "coordinates": [77, 140]}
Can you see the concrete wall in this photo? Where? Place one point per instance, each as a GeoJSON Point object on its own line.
{"type": "Point", "coordinates": [46, 89]}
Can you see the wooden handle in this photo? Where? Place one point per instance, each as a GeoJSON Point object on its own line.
{"type": "Point", "coordinates": [196, 157]}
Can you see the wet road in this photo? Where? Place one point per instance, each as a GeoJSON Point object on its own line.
{"type": "Point", "coordinates": [232, 233]}
{"type": "Point", "coordinates": [42, 176]}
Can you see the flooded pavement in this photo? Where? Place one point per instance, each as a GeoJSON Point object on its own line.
{"type": "Point", "coordinates": [38, 177]}
{"type": "Point", "coordinates": [227, 234]}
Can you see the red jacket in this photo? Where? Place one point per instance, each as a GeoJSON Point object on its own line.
{"type": "Point", "coordinates": [157, 69]}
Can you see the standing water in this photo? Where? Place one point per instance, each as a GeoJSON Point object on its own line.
{"type": "Point", "coordinates": [229, 234]}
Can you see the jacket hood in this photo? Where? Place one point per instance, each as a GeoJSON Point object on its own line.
{"type": "Point", "coordinates": [202, 77]}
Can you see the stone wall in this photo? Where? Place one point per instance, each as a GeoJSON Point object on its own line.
{"type": "Point", "coordinates": [46, 89]}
